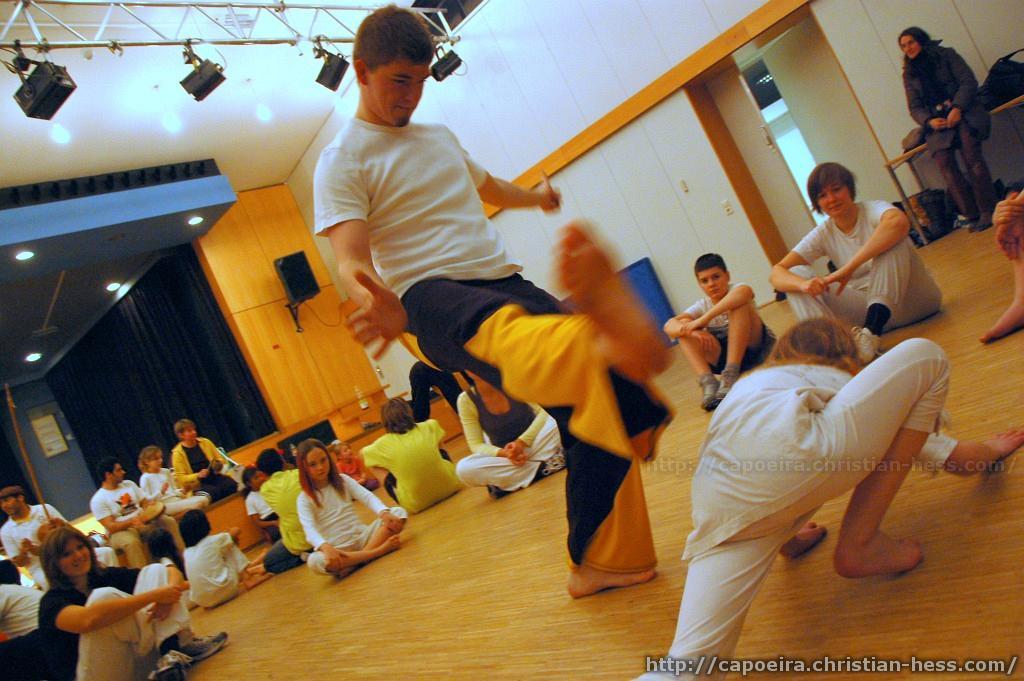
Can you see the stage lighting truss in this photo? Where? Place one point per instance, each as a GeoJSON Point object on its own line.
{"type": "Point", "coordinates": [238, 20]}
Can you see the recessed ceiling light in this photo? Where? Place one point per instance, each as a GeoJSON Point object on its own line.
{"type": "Point", "coordinates": [25, 255]}
{"type": "Point", "coordinates": [195, 220]}
{"type": "Point", "coordinates": [113, 286]}
{"type": "Point", "coordinates": [33, 357]}
{"type": "Point", "coordinates": [171, 122]}
{"type": "Point", "coordinates": [264, 113]}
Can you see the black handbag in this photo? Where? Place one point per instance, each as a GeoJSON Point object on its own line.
{"type": "Point", "coordinates": [914, 138]}
{"type": "Point", "coordinates": [1005, 81]}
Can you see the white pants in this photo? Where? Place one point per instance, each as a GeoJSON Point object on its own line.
{"type": "Point", "coordinates": [317, 561]}
{"type": "Point", "coordinates": [181, 505]}
{"type": "Point", "coordinates": [127, 649]}
{"type": "Point", "coordinates": [904, 388]}
{"type": "Point", "coordinates": [478, 470]}
{"type": "Point", "coordinates": [898, 280]}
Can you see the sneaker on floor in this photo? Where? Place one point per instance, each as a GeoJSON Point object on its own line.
{"type": "Point", "coordinates": [963, 221]}
{"type": "Point", "coordinates": [729, 378]}
{"type": "Point", "coordinates": [171, 667]}
{"type": "Point", "coordinates": [709, 390]}
{"type": "Point", "coordinates": [553, 465]}
{"type": "Point", "coordinates": [867, 344]}
{"type": "Point", "coordinates": [983, 222]}
{"type": "Point", "coordinates": [202, 647]}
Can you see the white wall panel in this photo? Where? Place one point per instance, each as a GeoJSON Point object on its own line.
{"type": "Point", "coordinates": [529, 243]}
{"type": "Point", "coordinates": [582, 59]}
{"type": "Point", "coordinates": [994, 26]}
{"type": "Point", "coordinates": [545, 99]}
{"type": "Point", "coordinates": [729, 12]}
{"type": "Point", "coordinates": [683, 150]}
{"type": "Point", "coordinates": [681, 27]}
{"type": "Point", "coordinates": [623, 30]}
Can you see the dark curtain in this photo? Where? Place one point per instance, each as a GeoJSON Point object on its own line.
{"type": "Point", "coordinates": [10, 471]}
{"type": "Point", "coordinates": [163, 353]}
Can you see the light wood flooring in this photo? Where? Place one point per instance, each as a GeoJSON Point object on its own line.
{"type": "Point", "coordinates": [477, 590]}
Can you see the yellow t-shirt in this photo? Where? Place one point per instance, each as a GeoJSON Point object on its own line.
{"type": "Point", "coordinates": [423, 477]}
{"type": "Point", "coordinates": [281, 492]}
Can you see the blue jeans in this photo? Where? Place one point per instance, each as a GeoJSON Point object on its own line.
{"type": "Point", "coordinates": [279, 559]}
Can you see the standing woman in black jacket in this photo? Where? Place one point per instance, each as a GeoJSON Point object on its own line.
{"type": "Point", "coordinates": [942, 97]}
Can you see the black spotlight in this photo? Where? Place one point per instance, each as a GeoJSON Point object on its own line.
{"type": "Point", "coordinates": [205, 77]}
{"type": "Point", "coordinates": [44, 90]}
{"type": "Point", "coordinates": [333, 69]}
{"type": "Point", "coordinates": [445, 65]}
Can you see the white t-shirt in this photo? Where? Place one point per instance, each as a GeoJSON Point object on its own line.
{"type": "Point", "coordinates": [19, 609]}
{"type": "Point", "coordinates": [696, 310]}
{"type": "Point", "coordinates": [335, 521]}
{"type": "Point", "coordinates": [415, 187]}
{"type": "Point", "coordinates": [13, 532]}
{"type": "Point", "coordinates": [255, 504]}
{"type": "Point", "coordinates": [827, 240]}
{"type": "Point", "coordinates": [123, 502]}
{"type": "Point", "coordinates": [152, 485]}
{"type": "Point", "coordinates": [212, 567]}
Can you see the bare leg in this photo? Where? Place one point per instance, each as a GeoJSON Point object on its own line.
{"type": "Point", "coordinates": [628, 339]}
{"type": "Point", "coordinates": [975, 457]}
{"type": "Point", "coordinates": [809, 536]}
{"type": "Point", "coordinates": [379, 536]}
{"type": "Point", "coordinates": [745, 329]}
{"type": "Point", "coordinates": [585, 580]}
{"type": "Point", "coordinates": [699, 360]}
{"type": "Point", "coordinates": [1013, 318]}
{"type": "Point", "coordinates": [863, 549]}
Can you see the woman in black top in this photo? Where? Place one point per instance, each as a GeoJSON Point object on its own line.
{"type": "Point", "coordinates": [942, 97]}
{"type": "Point", "coordinates": [91, 612]}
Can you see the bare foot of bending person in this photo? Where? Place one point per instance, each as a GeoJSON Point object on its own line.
{"type": "Point", "coordinates": [1011, 320]}
{"type": "Point", "coordinates": [629, 339]}
{"type": "Point", "coordinates": [809, 536]}
{"type": "Point", "coordinates": [585, 580]}
{"type": "Point", "coordinates": [975, 457]}
{"type": "Point", "coordinates": [882, 555]}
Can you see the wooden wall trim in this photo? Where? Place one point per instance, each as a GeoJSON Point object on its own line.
{"type": "Point", "coordinates": [758, 21]}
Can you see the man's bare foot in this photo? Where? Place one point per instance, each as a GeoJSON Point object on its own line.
{"type": "Point", "coordinates": [1011, 320]}
{"type": "Point", "coordinates": [809, 536]}
{"type": "Point", "coordinates": [629, 339]}
{"type": "Point", "coordinates": [974, 457]}
{"type": "Point", "coordinates": [586, 580]}
{"type": "Point", "coordinates": [883, 555]}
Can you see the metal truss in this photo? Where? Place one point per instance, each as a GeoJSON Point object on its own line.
{"type": "Point", "coordinates": [45, 25]}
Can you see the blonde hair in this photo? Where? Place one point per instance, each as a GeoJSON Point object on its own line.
{"type": "Point", "coordinates": [823, 340]}
{"type": "Point", "coordinates": [150, 452]}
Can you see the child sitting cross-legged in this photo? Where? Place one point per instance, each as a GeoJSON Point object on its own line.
{"type": "Point", "coordinates": [158, 485]}
{"type": "Point", "coordinates": [216, 568]}
{"type": "Point", "coordinates": [720, 333]}
{"type": "Point", "coordinates": [342, 541]}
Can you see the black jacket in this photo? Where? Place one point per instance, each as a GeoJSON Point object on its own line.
{"type": "Point", "coordinates": [956, 77]}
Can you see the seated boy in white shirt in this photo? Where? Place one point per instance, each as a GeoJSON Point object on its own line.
{"type": "Point", "coordinates": [216, 568]}
{"type": "Point", "coordinates": [721, 333]}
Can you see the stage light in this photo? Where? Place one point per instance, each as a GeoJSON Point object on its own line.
{"type": "Point", "coordinates": [445, 65]}
{"type": "Point", "coordinates": [42, 91]}
{"type": "Point", "coordinates": [205, 77]}
{"type": "Point", "coordinates": [334, 66]}
{"type": "Point", "coordinates": [24, 255]}
{"type": "Point", "coordinates": [113, 286]}
{"type": "Point", "coordinates": [33, 357]}
{"type": "Point", "coordinates": [195, 220]}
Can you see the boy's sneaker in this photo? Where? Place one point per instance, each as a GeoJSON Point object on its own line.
{"type": "Point", "coordinates": [709, 387]}
{"type": "Point", "coordinates": [553, 464]}
{"type": "Point", "coordinates": [963, 221]}
{"type": "Point", "coordinates": [729, 377]}
{"type": "Point", "coordinates": [202, 647]}
{"type": "Point", "coordinates": [171, 667]}
{"type": "Point", "coordinates": [867, 344]}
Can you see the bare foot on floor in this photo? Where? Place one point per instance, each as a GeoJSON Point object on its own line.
{"type": "Point", "coordinates": [883, 555]}
{"type": "Point", "coordinates": [1011, 320]}
{"type": "Point", "coordinates": [631, 343]}
{"type": "Point", "coordinates": [809, 536]}
{"type": "Point", "coordinates": [392, 543]}
{"type": "Point", "coordinates": [974, 457]}
{"type": "Point", "coordinates": [586, 580]}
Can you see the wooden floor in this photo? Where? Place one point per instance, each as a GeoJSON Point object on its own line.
{"type": "Point", "coordinates": [477, 591]}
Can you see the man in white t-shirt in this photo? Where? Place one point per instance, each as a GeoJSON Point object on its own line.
{"type": "Point", "coordinates": [721, 333]}
{"type": "Point", "coordinates": [880, 282]}
{"type": "Point", "coordinates": [400, 203]}
{"type": "Point", "coordinates": [118, 505]}
{"type": "Point", "coordinates": [23, 654]}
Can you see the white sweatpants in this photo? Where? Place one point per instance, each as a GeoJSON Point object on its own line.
{"type": "Point", "coordinates": [182, 504]}
{"type": "Point", "coordinates": [898, 280]}
{"type": "Point", "coordinates": [127, 649]}
{"type": "Point", "coordinates": [317, 561]}
{"type": "Point", "coordinates": [478, 470]}
{"type": "Point", "coordinates": [904, 388]}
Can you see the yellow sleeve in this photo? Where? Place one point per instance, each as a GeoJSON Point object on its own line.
{"type": "Point", "coordinates": [183, 474]}
{"type": "Point", "coordinates": [530, 434]}
{"type": "Point", "coordinates": [470, 418]}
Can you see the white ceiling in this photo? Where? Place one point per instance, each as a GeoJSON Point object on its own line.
{"type": "Point", "coordinates": [117, 118]}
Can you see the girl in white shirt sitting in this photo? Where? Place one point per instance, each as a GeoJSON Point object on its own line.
{"type": "Point", "coordinates": [342, 541]}
{"type": "Point", "coordinates": [216, 568]}
{"type": "Point", "coordinates": [157, 484]}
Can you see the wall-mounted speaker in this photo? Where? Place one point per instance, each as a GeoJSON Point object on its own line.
{"type": "Point", "coordinates": [296, 277]}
